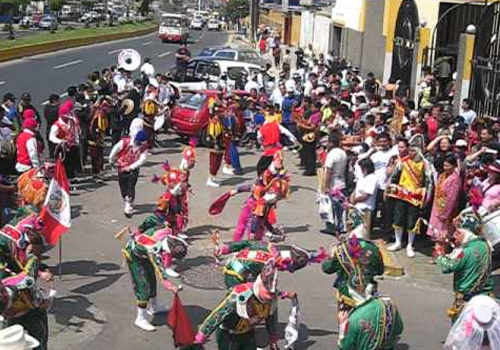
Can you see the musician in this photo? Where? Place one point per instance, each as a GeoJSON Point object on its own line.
{"type": "Point", "coordinates": [411, 186]}
{"type": "Point", "coordinates": [25, 104]}
{"type": "Point", "coordinates": [65, 133]}
{"type": "Point", "coordinates": [97, 131]}
{"type": "Point", "coordinates": [83, 106]}
{"type": "Point", "coordinates": [309, 129]}
{"type": "Point", "coordinates": [50, 113]}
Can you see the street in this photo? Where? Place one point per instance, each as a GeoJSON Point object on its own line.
{"type": "Point", "coordinates": [95, 307]}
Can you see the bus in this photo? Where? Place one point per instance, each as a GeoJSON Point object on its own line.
{"type": "Point", "coordinates": [174, 27]}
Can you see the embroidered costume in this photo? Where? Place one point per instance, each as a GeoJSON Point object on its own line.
{"type": "Point", "coordinates": [250, 258]}
{"type": "Point", "coordinates": [149, 253]}
{"type": "Point", "coordinates": [374, 325]}
{"type": "Point", "coordinates": [470, 263]}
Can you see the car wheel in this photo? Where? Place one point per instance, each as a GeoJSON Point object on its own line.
{"type": "Point", "coordinates": [204, 140]}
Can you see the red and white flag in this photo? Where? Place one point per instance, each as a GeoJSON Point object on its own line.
{"type": "Point", "coordinates": [56, 211]}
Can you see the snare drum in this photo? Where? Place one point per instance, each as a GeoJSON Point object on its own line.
{"type": "Point", "coordinates": [491, 228]}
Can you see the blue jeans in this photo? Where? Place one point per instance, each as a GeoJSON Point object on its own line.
{"type": "Point", "coordinates": [338, 213]}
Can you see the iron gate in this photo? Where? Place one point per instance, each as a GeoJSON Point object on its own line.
{"type": "Point", "coordinates": [407, 24]}
{"type": "Point", "coordinates": [485, 88]}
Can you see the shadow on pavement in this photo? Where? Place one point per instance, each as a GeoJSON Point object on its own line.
{"type": "Point", "coordinates": [205, 230]}
{"type": "Point", "coordinates": [196, 314]}
{"type": "Point", "coordinates": [295, 188]}
{"type": "Point", "coordinates": [304, 341]}
{"type": "Point", "coordinates": [90, 268]}
{"type": "Point", "coordinates": [234, 181]}
{"type": "Point", "coordinates": [296, 229]}
{"type": "Point", "coordinates": [66, 308]}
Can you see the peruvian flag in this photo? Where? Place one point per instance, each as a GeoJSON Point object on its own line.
{"type": "Point", "coordinates": [56, 211]}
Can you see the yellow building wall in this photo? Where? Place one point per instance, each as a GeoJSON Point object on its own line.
{"type": "Point", "coordinates": [273, 19]}
{"type": "Point", "coordinates": [296, 24]}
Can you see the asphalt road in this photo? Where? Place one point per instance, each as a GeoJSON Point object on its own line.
{"type": "Point", "coordinates": [52, 73]}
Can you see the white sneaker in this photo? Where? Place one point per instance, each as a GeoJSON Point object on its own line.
{"type": "Point", "coordinates": [127, 209]}
{"type": "Point", "coordinates": [156, 308]}
{"type": "Point", "coordinates": [212, 183]}
{"type": "Point", "coordinates": [410, 252]}
{"type": "Point", "coordinates": [171, 272]}
{"type": "Point", "coordinates": [226, 170]}
{"type": "Point", "coordinates": [394, 247]}
{"type": "Point", "coordinates": [182, 235]}
{"type": "Point", "coordinates": [142, 322]}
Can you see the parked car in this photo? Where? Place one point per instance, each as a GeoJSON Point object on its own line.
{"type": "Point", "coordinates": [204, 74]}
{"type": "Point", "coordinates": [209, 51]}
{"type": "Point", "coordinates": [48, 23]}
{"type": "Point", "coordinates": [241, 55]}
{"type": "Point", "coordinates": [213, 24]}
{"type": "Point", "coordinates": [196, 25]}
{"type": "Point", "coordinates": [189, 117]}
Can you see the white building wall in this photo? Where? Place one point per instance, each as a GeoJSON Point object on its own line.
{"type": "Point", "coordinates": [348, 12]}
{"type": "Point", "coordinates": [322, 34]}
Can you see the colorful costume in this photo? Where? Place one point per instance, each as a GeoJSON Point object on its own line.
{"type": "Point", "coordinates": [129, 155]}
{"type": "Point", "coordinates": [470, 263]}
{"type": "Point", "coordinates": [411, 186]}
{"type": "Point", "coordinates": [97, 131]}
{"type": "Point", "coordinates": [32, 186]}
{"type": "Point", "coordinates": [444, 207]}
{"type": "Point", "coordinates": [374, 325]}
{"type": "Point", "coordinates": [247, 305]}
{"type": "Point", "coordinates": [19, 270]}
{"type": "Point", "coordinates": [251, 257]}
{"type": "Point", "coordinates": [149, 253]}
{"type": "Point", "coordinates": [356, 262]}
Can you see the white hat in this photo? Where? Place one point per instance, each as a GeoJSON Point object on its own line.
{"type": "Point", "coordinates": [461, 143]}
{"type": "Point", "coordinates": [16, 338]}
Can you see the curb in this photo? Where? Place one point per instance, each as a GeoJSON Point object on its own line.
{"type": "Point", "coordinates": [31, 50]}
{"type": "Point", "coordinates": [392, 266]}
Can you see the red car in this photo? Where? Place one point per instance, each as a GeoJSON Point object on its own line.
{"type": "Point", "coordinates": [189, 117]}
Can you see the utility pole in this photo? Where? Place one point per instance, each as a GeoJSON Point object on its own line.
{"type": "Point", "coordinates": [199, 5]}
{"type": "Point", "coordinates": [254, 19]}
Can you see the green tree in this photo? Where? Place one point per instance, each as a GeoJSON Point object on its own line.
{"type": "Point", "coordinates": [15, 3]}
{"type": "Point", "coordinates": [144, 7]}
{"type": "Point", "coordinates": [236, 10]}
{"type": "Point", "coordinates": [56, 5]}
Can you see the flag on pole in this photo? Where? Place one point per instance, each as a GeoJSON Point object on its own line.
{"type": "Point", "coordinates": [56, 211]}
{"type": "Point", "coordinates": [180, 323]}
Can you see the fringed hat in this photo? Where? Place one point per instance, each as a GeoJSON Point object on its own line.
{"type": "Point", "coordinates": [266, 283]}
{"type": "Point", "coordinates": [188, 156]}
{"type": "Point", "coordinates": [468, 220]}
{"type": "Point", "coordinates": [354, 218]}
{"type": "Point", "coordinates": [417, 141]}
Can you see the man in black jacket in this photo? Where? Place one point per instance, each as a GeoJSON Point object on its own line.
{"type": "Point", "coordinates": [50, 114]}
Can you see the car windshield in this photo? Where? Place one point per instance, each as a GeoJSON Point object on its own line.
{"type": "Point", "coordinates": [248, 56]}
{"type": "Point", "coordinates": [206, 52]}
{"type": "Point", "coordinates": [171, 22]}
{"type": "Point", "coordinates": [194, 101]}
{"type": "Point", "coordinates": [225, 54]}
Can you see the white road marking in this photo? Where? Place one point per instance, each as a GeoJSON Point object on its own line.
{"type": "Point", "coordinates": [72, 63]}
{"type": "Point", "coordinates": [164, 54]}
{"type": "Point", "coordinates": [114, 51]}
{"type": "Point", "coordinates": [146, 43]}
{"type": "Point", "coordinates": [2, 83]}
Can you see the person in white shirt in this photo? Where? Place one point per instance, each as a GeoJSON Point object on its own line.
{"type": "Point", "coordinates": [335, 182]}
{"type": "Point", "coordinates": [467, 112]}
{"type": "Point", "coordinates": [252, 84]}
{"type": "Point", "coordinates": [310, 84]}
{"type": "Point", "coordinates": [365, 194]}
{"type": "Point", "coordinates": [278, 95]}
{"type": "Point", "coordinates": [147, 68]}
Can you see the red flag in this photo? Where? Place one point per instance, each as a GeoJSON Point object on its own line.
{"type": "Point", "coordinates": [56, 211]}
{"type": "Point", "coordinates": [180, 323]}
{"type": "Point", "coordinates": [218, 206]}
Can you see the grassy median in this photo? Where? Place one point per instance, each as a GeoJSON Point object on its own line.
{"type": "Point", "coordinates": [78, 33]}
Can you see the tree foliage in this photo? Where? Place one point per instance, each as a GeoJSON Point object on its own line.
{"type": "Point", "coordinates": [236, 9]}
{"type": "Point", "coordinates": [144, 7]}
{"type": "Point", "coordinates": [15, 3]}
{"type": "Point", "coordinates": [56, 5]}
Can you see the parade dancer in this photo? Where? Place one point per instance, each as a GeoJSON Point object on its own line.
{"type": "Point", "coordinates": [148, 253]}
{"type": "Point", "coordinates": [65, 133]}
{"type": "Point", "coordinates": [246, 305]}
{"type": "Point", "coordinates": [251, 257]}
{"type": "Point", "coordinates": [217, 136]}
{"type": "Point", "coordinates": [258, 212]}
{"type": "Point", "coordinates": [477, 327]}
{"type": "Point", "coordinates": [376, 324]}
{"type": "Point", "coordinates": [29, 148]}
{"type": "Point", "coordinates": [411, 186]}
{"type": "Point", "coordinates": [129, 155]}
{"type": "Point", "coordinates": [21, 246]}
{"type": "Point", "coordinates": [356, 262]}
{"type": "Point", "coordinates": [470, 261]}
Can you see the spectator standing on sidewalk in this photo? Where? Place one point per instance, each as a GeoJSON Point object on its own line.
{"type": "Point", "coordinates": [50, 114]}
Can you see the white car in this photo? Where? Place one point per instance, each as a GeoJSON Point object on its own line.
{"type": "Point", "coordinates": [196, 24]}
{"type": "Point", "coordinates": [203, 74]}
{"type": "Point", "coordinates": [213, 24]}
